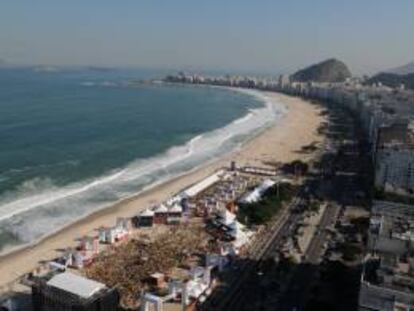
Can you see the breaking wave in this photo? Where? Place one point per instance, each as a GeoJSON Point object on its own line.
{"type": "Point", "coordinates": [40, 208]}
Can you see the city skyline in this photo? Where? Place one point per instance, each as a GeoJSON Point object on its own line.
{"type": "Point", "coordinates": [262, 37]}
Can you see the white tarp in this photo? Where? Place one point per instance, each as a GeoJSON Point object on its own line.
{"type": "Point", "coordinates": [202, 185]}
{"type": "Point", "coordinates": [257, 193]}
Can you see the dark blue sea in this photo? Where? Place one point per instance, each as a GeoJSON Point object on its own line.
{"type": "Point", "coordinates": [73, 141]}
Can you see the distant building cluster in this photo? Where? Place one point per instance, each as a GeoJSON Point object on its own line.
{"type": "Point", "coordinates": [386, 117]}
{"type": "Point", "coordinates": [227, 80]}
{"type": "Point", "coordinates": [387, 280]}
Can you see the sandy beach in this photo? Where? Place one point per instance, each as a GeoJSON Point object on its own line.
{"type": "Point", "coordinates": [279, 143]}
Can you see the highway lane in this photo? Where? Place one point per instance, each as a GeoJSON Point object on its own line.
{"type": "Point", "coordinates": [236, 300]}
{"type": "Point", "coordinates": [315, 249]}
{"type": "Point", "coordinates": [301, 282]}
{"type": "Point", "coordinates": [230, 297]}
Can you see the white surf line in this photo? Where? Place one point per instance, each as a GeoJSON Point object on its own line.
{"type": "Point", "coordinates": [151, 164]}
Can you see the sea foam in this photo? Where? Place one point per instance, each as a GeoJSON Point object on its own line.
{"type": "Point", "coordinates": [45, 208]}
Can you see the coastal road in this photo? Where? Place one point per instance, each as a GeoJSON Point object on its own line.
{"type": "Point", "coordinates": [234, 299]}
{"type": "Point", "coordinates": [298, 289]}
{"type": "Point", "coordinates": [295, 291]}
{"type": "Point", "coordinates": [341, 189]}
{"type": "Point", "coordinates": [315, 249]}
{"type": "Point", "coordinates": [231, 296]}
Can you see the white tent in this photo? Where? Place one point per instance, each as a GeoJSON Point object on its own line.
{"type": "Point", "coordinates": [240, 234]}
{"type": "Point", "coordinates": [147, 213]}
{"type": "Point", "coordinates": [176, 208]}
{"type": "Point", "coordinates": [161, 209]}
{"type": "Point", "coordinates": [257, 193]}
{"type": "Point", "coordinates": [226, 217]}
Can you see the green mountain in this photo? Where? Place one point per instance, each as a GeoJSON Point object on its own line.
{"type": "Point", "coordinates": [403, 70]}
{"type": "Point", "coordinates": [394, 80]}
{"type": "Point", "coordinates": [331, 70]}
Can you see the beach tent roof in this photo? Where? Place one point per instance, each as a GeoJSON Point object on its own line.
{"type": "Point", "coordinates": [147, 213]}
{"type": "Point", "coordinates": [227, 217]}
{"type": "Point", "coordinates": [157, 275]}
{"type": "Point", "coordinates": [176, 208]}
{"type": "Point", "coordinates": [161, 209]}
{"type": "Point", "coordinates": [175, 199]}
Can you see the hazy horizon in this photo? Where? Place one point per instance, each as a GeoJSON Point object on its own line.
{"type": "Point", "coordinates": [235, 36]}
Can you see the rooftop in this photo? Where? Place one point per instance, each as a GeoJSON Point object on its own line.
{"type": "Point", "coordinates": [391, 262]}
{"type": "Point", "coordinates": [202, 185]}
{"type": "Point", "coordinates": [76, 284]}
{"type": "Point", "coordinates": [397, 133]}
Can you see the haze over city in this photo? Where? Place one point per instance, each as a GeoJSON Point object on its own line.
{"type": "Point", "coordinates": [253, 36]}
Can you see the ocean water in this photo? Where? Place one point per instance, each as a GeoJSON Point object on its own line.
{"type": "Point", "coordinates": [75, 141]}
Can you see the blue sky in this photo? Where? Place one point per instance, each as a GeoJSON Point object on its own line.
{"type": "Point", "coordinates": [263, 36]}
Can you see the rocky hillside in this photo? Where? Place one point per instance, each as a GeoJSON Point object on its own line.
{"type": "Point", "coordinates": [403, 70]}
{"type": "Point", "coordinates": [331, 70]}
{"type": "Point", "coordinates": [394, 80]}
